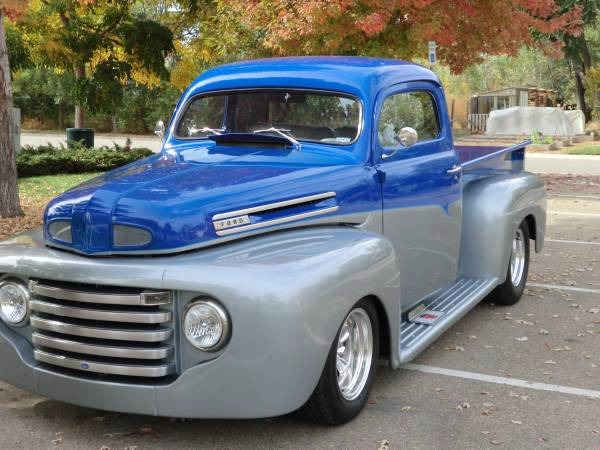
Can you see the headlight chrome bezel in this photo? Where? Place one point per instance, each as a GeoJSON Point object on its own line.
{"type": "Point", "coordinates": [222, 315]}
{"type": "Point", "coordinates": [22, 289]}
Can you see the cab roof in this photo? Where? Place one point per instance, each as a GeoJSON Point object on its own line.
{"type": "Point", "coordinates": [359, 76]}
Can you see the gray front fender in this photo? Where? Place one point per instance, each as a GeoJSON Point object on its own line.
{"type": "Point", "coordinates": [287, 294]}
{"type": "Point", "coordinates": [493, 208]}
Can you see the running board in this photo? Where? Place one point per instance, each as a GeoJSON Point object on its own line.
{"type": "Point", "coordinates": [453, 303]}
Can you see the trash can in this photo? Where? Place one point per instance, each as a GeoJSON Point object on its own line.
{"type": "Point", "coordinates": [83, 135]}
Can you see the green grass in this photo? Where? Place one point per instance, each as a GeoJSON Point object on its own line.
{"type": "Point", "coordinates": [36, 190]}
{"type": "Point", "coordinates": [592, 149]}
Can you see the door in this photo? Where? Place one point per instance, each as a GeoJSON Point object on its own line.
{"type": "Point", "coordinates": [420, 189]}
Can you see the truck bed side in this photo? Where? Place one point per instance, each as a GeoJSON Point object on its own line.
{"type": "Point", "coordinates": [476, 158]}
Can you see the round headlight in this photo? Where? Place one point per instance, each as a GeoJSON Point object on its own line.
{"type": "Point", "coordinates": [206, 325]}
{"type": "Point", "coordinates": [14, 302]}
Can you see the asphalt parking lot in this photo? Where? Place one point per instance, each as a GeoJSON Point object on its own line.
{"type": "Point", "coordinates": [520, 377]}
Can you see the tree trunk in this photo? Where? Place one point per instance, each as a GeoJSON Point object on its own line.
{"type": "Point", "coordinates": [580, 94]}
{"type": "Point", "coordinates": [114, 125]}
{"type": "Point", "coordinates": [79, 113]}
{"type": "Point", "coordinates": [61, 116]}
{"type": "Point", "coordinates": [9, 189]}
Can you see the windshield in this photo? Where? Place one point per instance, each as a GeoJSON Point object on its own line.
{"type": "Point", "coordinates": [304, 115]}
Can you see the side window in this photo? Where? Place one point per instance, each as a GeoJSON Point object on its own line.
{"type": "Point", "coordinates": [408, 109]}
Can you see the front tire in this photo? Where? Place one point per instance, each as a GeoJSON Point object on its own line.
{"type": "Point", "coordinates": [345, 384]}
{"type": "Point", "coordinates": [510, 292]}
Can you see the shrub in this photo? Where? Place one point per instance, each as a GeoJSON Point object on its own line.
{"type": "Point", "coordinates": [51, 160]}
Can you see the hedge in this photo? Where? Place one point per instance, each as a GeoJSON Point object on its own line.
{"type": "Point", "coordinates": [51, 160]}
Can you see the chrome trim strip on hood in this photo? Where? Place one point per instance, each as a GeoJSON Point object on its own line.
{"type": "Point", "coordinates": [281, 220]}
{"type": "Point", "coordinates": [271, 206]}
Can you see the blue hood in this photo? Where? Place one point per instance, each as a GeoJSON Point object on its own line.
{"type": "Point", "coordinates": [176, 195]}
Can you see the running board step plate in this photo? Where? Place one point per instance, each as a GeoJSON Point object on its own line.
{"type": "Point", "coordinates": [453, 303]}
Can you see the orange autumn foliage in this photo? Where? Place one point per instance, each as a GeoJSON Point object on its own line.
{"type": "Point", "coordinates": [465, 30]}
{"type": "Point", "coordinates": [13, 8]}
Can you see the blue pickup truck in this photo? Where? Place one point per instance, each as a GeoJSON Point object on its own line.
{"type": "Point", "coordinates": [306, 218]}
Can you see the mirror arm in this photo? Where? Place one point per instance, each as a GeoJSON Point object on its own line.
{"type": "Point", "coordinates": [390, 154]}
{"type": "Point", "coordinates": [159, 130]}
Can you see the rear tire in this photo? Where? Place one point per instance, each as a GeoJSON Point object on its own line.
{"type": "Point", "coordinates": [345, 384]}
{"type": "Point", "coordinates": [510, 292]}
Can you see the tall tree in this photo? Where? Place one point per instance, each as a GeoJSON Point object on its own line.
{"type": "Point", "coordinates": [9, 189]}
{"type": "Point", "coordinates": [101, 43]}
{"type": "Point", "coordinates": [576, 49]}
{"type": "Point", "coordinates": [465, 30]}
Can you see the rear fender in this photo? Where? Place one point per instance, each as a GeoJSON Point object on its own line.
{"type": "Point", "coordinates": [493, 209]}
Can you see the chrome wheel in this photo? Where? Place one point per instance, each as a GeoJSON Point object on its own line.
{"type": "Point", "coordinates": [517, 258]}
{"type": "Point", "coordinates": [354, 354]}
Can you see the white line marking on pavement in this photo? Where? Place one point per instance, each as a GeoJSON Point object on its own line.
{"type": "Point", "coordinates": [589, 197]}
{"type": "Point", "coordinates": [558, 287]}
{"type": "Point", "coordinates": [566, 213]}
{"type": "Point", "coordinates": [565, 241]}
{"type": "Point", "coordinates": [502, 380]}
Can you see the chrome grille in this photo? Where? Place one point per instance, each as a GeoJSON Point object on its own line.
{"type": "Point", "coordinates": [102, 330]}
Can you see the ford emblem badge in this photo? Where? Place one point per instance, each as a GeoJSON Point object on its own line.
{"type": "Point", "coordinates": [85, 365]}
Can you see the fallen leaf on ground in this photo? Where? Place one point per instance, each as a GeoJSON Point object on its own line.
{"type": "Point", "coordinates": [455, 348]}
{"type": "Point", "coordinates": [384, 444]}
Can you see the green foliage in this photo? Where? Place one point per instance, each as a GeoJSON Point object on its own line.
{"type": "Point", "coordinates": [18, 54]}
{"type": "Point", "coordinates": [528, 67]}
{"type": "Point", "coordinates": [142, 107]}
{"type": "Point", "coordinates": [539, 138]}
{"type": "Point", "coordinates": [49, 160]}
{"type": "Point", "coordinates": [585, 150]}
{"type": "Point", "coordinates": [38, 92]}
{"type": "Point", "coordinates": [150, 43]}
{"type": "Point", "coordinates": [103, 91]}
{"type": "Point", "coordinates": [101, 43]}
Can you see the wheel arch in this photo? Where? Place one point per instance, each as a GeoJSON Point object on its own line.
{"type": "Point", "coordinates": [385, 335]}
{"type": "Point", "coordinates": [530, 219]}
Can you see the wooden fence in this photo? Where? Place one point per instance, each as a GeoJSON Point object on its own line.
{"type": "Point", "coordinates": [477, 122]}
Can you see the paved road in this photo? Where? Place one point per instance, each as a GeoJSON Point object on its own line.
{"type": "Point", "coordinates": [535, 162]}
{"type": "Point", "coordinates": [520, 377]}
{"type": "Point", "coordinates": [564, 164]}
{"type": "Point", "coordinates": [55, 138]}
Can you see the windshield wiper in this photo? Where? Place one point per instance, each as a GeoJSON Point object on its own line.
{"type": "Point", "coordinates": [193, 131]}
{"type": "Point", "coordinates": [281, 132]}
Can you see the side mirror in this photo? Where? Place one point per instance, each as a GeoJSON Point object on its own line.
{"type": "Point", "coordinates": [408, 136]}
{"type": "Point", "coordinates": [159, 130]}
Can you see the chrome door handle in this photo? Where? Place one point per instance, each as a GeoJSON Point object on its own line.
{"type": "Point", "coordinates": [454, 171]}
